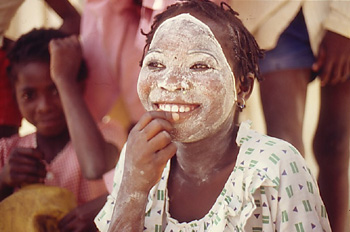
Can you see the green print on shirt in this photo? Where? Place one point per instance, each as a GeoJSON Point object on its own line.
{"type": "Point", "coordinates": [284, 216]}
{"type": "Point", "coordinates": [299, 227]}
{"type": "Point", "coordinates": [244, 139]}
{"type": "Point", "coordinates": [262, 190]}
{"type": "Point", "coordinates": [294, 167]}
{"type": "Point", "coordinates": [274, 158]}
{"type": "Point", "coordinates": [310, 187]}
{"type": "Point", "coordinates": [307, 205]}
{"type": "Point", "coordinates": [265, 219]}
{"type": "Point", "coordinates": [158, 228]}
{"type": "Point", "coordinates": [249, 151]}
{"type": "Point", "coordinates": [253, 163]}
{"type": "Point", "coordinates": [289, 190]}
{"type": "Point", "coordinates": [323, 211]}
{"type": "Point", "coordinates": [160, 195]}
{"type": "Point", "coordinates": [270, 143]}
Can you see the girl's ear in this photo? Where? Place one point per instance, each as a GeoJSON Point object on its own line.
{"type": "Point", "coordinates": [244, 89]}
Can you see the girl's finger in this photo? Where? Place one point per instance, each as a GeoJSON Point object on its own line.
{"type": "Point", "coordinates": [156, 126]}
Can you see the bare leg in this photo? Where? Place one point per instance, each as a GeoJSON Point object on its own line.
{"type": "Point", "coordinates": [283, 95]}
{"type": "Point", "coordinates": [331, 148]}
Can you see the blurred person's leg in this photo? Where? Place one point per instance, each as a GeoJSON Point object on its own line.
{"type": "Point", "coordinates": [283, 95]}
{"type": "Point", "coordinates": [286, 70]}
{"type": "Point", "coordinates": [331, 148]}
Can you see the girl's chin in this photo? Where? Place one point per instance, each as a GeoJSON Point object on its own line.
{"type": "Point", "coordinates": [185, 136]}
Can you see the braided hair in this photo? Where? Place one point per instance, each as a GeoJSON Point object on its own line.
{"type": "Point", "coordinates": [34, 47]}
{"type": "Point", "coordinates": [246, 52]}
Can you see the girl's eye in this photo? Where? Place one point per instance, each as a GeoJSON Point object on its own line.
{"type": "Point", "coordinates": [28, 95]}
{"type": "Point", "coordinates": [155, 66]}
{"type": "Point", "coordinates": [199, 67]}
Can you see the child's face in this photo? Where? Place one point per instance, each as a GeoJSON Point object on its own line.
{"type": "Point", "coordinates": [186, 71]}
{"type": "Point", "coordinates": [38, 99]}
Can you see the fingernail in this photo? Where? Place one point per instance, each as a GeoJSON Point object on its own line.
{"type": "Point", "coordinates": [175, 116]}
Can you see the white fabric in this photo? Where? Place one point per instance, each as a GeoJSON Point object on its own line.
{"type": "Point", "coordinates": [8, 9]}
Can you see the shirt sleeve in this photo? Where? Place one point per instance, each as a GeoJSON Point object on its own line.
{"type": "Point", "coordinates": [292, 202]}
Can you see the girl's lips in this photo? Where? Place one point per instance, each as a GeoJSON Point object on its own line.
{"type": "Point", "coordinates": [176, 108]}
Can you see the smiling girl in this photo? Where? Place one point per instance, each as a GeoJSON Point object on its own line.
{"type": "Point", "coordinates": [188, 165]}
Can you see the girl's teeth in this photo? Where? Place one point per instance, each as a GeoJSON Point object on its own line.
{"type": "Point", "coordinates": [174, 108]}
{"type": "Point", "coordinates": [182, 109]}
{"type": "Point", "coordinates": [167, 108]}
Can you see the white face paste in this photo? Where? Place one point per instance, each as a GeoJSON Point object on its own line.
{"type": "Point", "coordinates": [186, 71]}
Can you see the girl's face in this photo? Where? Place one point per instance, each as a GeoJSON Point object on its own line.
{"type": "Point", "coordinates": [38, 99]}
{"type": "Point", "coordinates": [186, 71]}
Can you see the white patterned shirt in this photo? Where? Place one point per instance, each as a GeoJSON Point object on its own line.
{"type": "Point", "coordinates": [270, 189]}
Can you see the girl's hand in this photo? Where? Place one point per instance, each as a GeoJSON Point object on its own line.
{"type": "Point", "coordinates": [25, 166]}
{"type": "Point", "coordinates": [149, 147]}
{"type": "Point", "coordinates": [66, 57]}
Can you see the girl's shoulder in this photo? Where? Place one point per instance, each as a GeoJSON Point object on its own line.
{"type": "Point", "coordinates": [273, 156]}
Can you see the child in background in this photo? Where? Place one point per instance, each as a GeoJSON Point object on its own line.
{"type": "Point", "coordinates": [10, 117]}
{"type": "Point", "coordinates": [187, 164]}
{"type": "Point", "coordinates": [48, 79]}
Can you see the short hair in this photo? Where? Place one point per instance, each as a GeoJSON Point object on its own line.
{"type": "Point", "coordinates": [34, 47]}
{"type": "Point", "coordinates": [246, 52]}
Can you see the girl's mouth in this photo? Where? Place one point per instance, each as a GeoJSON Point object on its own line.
{"type": "Point", "coordinates": [176, 108]}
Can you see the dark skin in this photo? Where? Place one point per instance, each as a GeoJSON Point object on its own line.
{"type": "Point", "coordinates": [331, 141]}
{"type": "Point", "coordinates": [69, 15]}
{"type": "Point", "coordinates": [191, 199]}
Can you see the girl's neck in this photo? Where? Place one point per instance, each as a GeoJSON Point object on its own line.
{"type": "Point", "coordinates": [52, 145]}
{"type": "Point", "coordinates": [203, 159]}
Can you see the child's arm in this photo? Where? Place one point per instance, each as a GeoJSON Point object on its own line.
{"type": "Point", "coordinates": [148, 150]}
{"type": "Point", "coordinates": [95, 155]}
{"type": "Point", "coordinates": [69, 15]}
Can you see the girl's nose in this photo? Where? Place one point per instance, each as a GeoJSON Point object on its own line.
{"type": "Point", "coordinates": [44, 103]}
{"type": "Point", "coordinates": [174, 81]}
